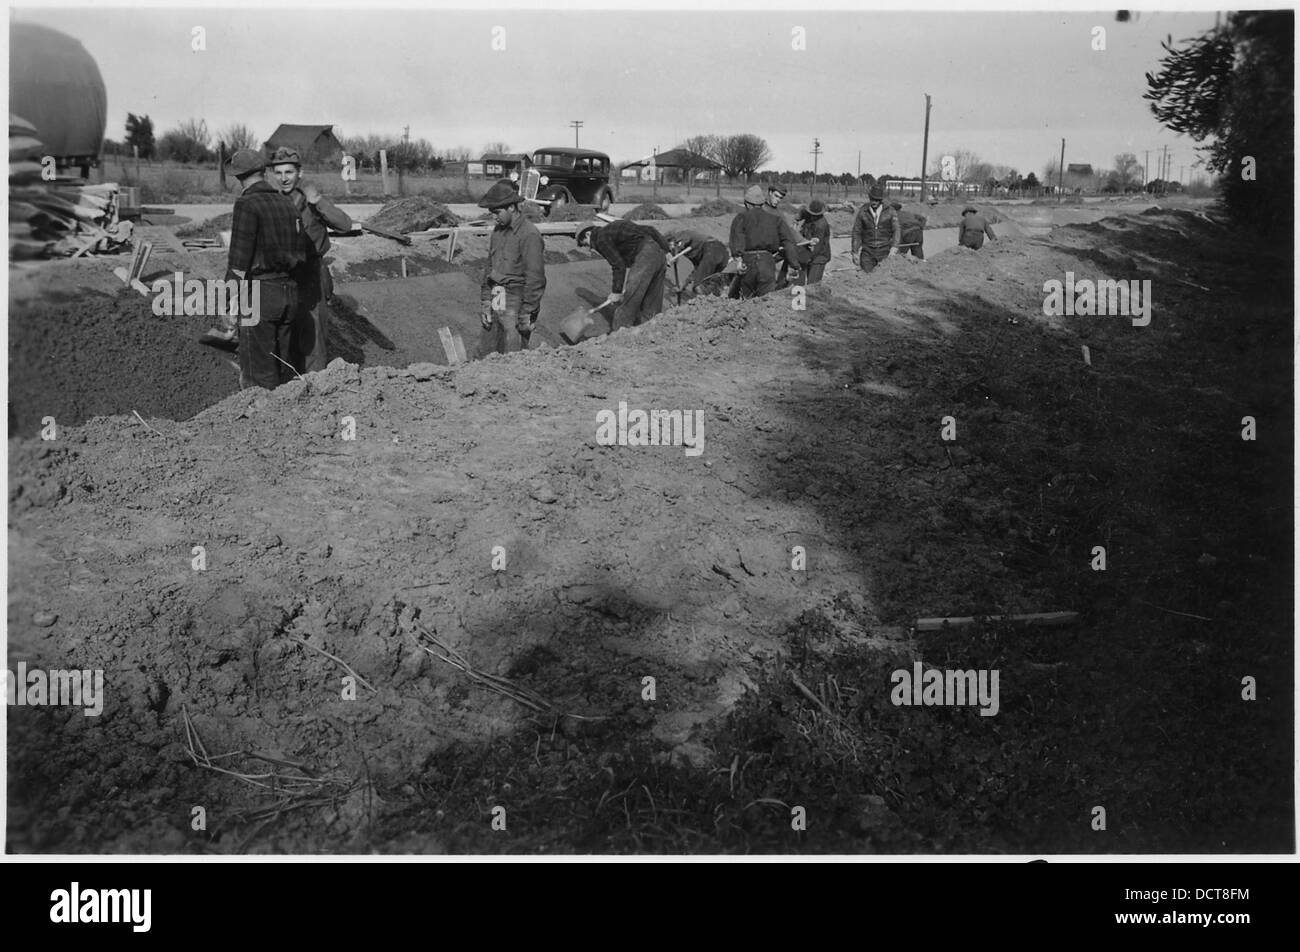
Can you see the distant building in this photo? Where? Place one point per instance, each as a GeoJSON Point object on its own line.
{"type": "Point", "coordinates": [675, 165]}
{"type": "Point", "coordinates": [503, 164]}
{"type": "Point", "coordinates": [316, 144]}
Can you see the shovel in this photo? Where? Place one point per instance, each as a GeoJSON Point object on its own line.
{"type": "Point", "coordinates": [575, 327]}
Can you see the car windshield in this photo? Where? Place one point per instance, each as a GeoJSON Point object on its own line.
{"type": "Point", "coordinates": [553, 159]}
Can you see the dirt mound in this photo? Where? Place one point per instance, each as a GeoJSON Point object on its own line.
{"type": "Point", "coordinates": [415, 213]}
{"type": "Point", "coordinates": [646, 212]}
{"type": "Point", "coordinates": [714, 207]}
{"type": "Point", "coordinates": [212, 228]}
{"type": "Point", "coordinates": [572, 212]}
{"type": "Point", "coordinates": [431, 590]}
{"type": "Point", "coordinates": [103, 355]}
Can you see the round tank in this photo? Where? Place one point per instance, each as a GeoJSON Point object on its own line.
{"type": "Point", "coordinates": [55, 85]}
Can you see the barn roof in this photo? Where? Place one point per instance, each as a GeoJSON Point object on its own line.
{"type": "Point", "coordinates": [298, 137]}
{"type": "Point", "coordinates": [677, 159]}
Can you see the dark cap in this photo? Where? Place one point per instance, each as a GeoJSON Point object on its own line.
{"type": "Point", "coordinates": [246, 162]}
{"type": "Point", "coordinates": [500, 195]}
{"type": "Point", "coordinates": [285, 156]}
{"type": "Point", "coordinates": [816, 208]}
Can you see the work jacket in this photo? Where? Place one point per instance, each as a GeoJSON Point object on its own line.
{"type": "Point", "coordinates": [620, 242]}
{"type": "Point", "coordinates": [817, 227]}
{"type": "Point", "coordinates": [317, 220]}
{"type": "Point", "coordinates": [515, 260]}
{"type": "Point", "coordinates": [881, 235]}
{"type": "Point", "coordinates": [757, 230]}
{"type": "Point", "coordinates": [912, 226]}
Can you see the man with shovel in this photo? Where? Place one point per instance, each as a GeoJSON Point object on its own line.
{"type": "Point", "coordinates": [515, 278]}
{"type": "Point", "coordinates": [636, 255]}
{"type": "Point", "coordinates": [912, 229]}
{"type": "Point", "coordinates": [708, 255]}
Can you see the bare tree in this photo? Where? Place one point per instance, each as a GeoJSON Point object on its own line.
{"type": "Point", "coordinates": [496, 148]}
{"type": "Point", "coordinates": [742, 154]}
{"type": "Point", "coordinates": [1128, 170]}
{"type": "Point", "coordinates": [706, 146]}
{"type": "Point", "coordinates": [238, 136]}
{"type": "Point", "coordinates": [459, 153]}
{"type": "Point", "coordinates": [701, 152]}
{"type": "Point", "coordinates": [965, 164]}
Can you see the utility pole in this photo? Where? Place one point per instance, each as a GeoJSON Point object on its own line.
{"type": "Point", "coordinates": [816, 152]}
{"type": "Point", "coordinates": [406, 134]}
{"type": "Point", "coordinates": [1164, 170]}
{"type": "Point", "coordinates": [925, 149]}
{"type": "Point", "coordinates": [1060, 175]}
{"type": "Point", "coordinates": [577, 124]}
{"type": "Point", "coordinates": [1146, 164]}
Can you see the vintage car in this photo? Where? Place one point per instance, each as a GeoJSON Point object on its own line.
{"type": "Point", "coordinates": [572, 175]}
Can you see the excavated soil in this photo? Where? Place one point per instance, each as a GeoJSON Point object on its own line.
{"type": "Point", "coordinates": [428, 592]}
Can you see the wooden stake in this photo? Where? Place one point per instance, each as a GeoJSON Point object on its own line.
{"type": "Point", "coordinates": [1039, 618]}
{"type": "Point", "coordinates": [448, 345]}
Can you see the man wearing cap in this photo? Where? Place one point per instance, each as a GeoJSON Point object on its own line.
{"type": "Point", "coordinates": [912, 227]}
{"type": "Point", "coordinates": [876, 232]}
{"type": "Point", "coordinates": [318, 215]}
{"type": "Point", "coordinates": [515, 278]}
{"type": "Point", "coordinates": [707, 254]}
{"type": "Point", "coordinates": [266, 245]}
{"type": "Point", "coordinates": [973, 228]}
{"type": "Point", "coordinates": [636, 255]}
{"type": "Point", "coordinates": [756, 238]}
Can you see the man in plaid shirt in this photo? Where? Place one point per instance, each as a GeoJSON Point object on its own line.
{"type": "Point", "coordinates": [266, 245]}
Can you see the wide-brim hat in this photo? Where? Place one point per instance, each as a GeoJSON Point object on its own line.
{"type": "Point", "coordinates": [285, 156]}
{"type": "Point", "coordinates": [816, 208]}
{"type": "Point", "coordinates": [246, 161]}
{"type": "Point", "coordinates": [876, 193]}
{"type": "Point", "coordinates": [500, 195]}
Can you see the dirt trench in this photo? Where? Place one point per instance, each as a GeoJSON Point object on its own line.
{"type": "Point", "coordinates": [424, 591]}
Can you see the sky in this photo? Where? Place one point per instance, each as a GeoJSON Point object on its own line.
{"type": "Point", "coordinates": [1007, 86]}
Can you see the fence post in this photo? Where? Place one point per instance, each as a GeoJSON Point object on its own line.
{"type": "Point", "coordinates": [383, 170]}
